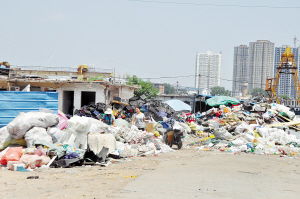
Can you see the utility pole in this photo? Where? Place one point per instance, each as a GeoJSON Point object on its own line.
{"type": "Point", "coordinates": [177, 87]}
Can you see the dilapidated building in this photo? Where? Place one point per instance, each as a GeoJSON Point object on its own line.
{"type": "Point", "coordinates": [73, 92]}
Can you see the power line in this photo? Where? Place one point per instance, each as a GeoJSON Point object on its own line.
{"type": "Point", "coordinates": [185, 76]}
{"type": "Point", "coordinates": [164, 77]}
{"type": "Point", "coordinates": [214, 4]}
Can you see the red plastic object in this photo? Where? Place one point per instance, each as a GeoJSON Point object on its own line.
{"type": "Point", "coordinates": [12, 154]}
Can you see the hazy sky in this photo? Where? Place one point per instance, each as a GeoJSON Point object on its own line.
{"type": "Point", "coordinates": [142, 38]}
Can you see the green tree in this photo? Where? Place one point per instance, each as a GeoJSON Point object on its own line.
{"type": "Point", "coordinates": [258, 92]}
{"type": "Point", "coordinates": [146, 87]}
{"type": "Point", "coordinates": [218, 90]}
{"type": "Point", "coordinates": [169, 89]}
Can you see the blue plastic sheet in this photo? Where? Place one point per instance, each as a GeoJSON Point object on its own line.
{"type": "Point", "coordinates": [14, 102]}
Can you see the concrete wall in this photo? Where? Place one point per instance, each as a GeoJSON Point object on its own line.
{"type": "Point", "coordinates": [78, 88]}
{"type": "Point", "coordinates": [126, 92]}
{"type": "Point", "coordinates": [101, 93]}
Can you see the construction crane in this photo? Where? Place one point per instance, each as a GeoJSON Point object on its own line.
{"type": "Point", "coordinates": [287, 65]}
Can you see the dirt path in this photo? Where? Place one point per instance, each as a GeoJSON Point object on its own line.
{"type": "Point", "coordinates": [218, 175]}
{"type": "Point", "coordinates": [181, 174]}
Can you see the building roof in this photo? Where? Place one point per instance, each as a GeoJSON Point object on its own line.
{"type": "Point", "coordinates": [7, 82]}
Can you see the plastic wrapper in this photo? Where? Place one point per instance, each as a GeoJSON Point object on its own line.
{"type": "Point", "coordinates": [63, 120]}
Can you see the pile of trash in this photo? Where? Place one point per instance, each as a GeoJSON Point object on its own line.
{"type": "Point", "coordinates": [155, 109]}
{"type": "Point", "coordinates": [265, 129]}
{"type": "Point", "coordinates": [93, 111]}
{"type": "Point", "coordinates": [40, 139]}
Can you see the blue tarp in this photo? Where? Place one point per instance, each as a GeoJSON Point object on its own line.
{"type": "Point", "coordinates": [178, 105]}
{"type": "Point", "coordinates": [14, 102]}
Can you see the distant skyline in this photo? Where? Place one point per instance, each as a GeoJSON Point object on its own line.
{"type": "Point", "coordinates": [140, 38]}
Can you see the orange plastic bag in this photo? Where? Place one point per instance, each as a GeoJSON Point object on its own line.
{"type": "Point", "coordinates": [12, 154]}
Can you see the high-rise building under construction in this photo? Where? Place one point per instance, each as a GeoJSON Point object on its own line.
{"type": "Point", "coordinates": [286, 84]}
{"type": "Point", "coordinates": [260, 63]}
{"type": "Point", "coordinates": [240, 70]}
{"type": "Point", "coordinates": [207, 71]}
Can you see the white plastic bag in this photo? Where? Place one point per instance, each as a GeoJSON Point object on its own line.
{"type": "Point", "coordinates": [25, 121]}
{"type": "Point", "coordinates": [56, 134]}
{"type": "Point", "coordinates": [4, 137]}
{"type": "Point", "coordinates": [37, 135]}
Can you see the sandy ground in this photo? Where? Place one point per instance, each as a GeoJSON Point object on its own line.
{"type": "Point", "coordinates": [182, 174]}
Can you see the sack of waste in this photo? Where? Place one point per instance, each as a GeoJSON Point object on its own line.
{"type": "Point", "coordinates": [78, 129]}
{"type": "Point", "coordinates": [56, 134]}
{"type": "Point", "coordinates": [4, 137]}
{"type": "Point", "coordinates": [12, 154]}
{"type": "Point", "coordinates": [25, 121]}
{"type": "Point", "coordinates": [37, 135]}
{"type": "Point", "coordinates": [222, 134]}
{"type": "Point", "coordinates": [33, 161]}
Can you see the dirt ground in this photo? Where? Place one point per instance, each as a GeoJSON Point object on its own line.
{"type": "Point", "coordinates": [182, 174]}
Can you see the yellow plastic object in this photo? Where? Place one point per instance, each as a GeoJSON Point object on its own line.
{"type": "Point", "coordinates": [156, 133]}
{"type": "Point", "coordinates": [20, 142]}
{"type": "Point", "coordinates": [226, 110]}
{"type": "Point", "coordinates": [193, 126]}
{"type": "Point", "coordinates": [207, 138]}
{"type": "Point", "coordinates": [115, 112]}
{"type": "Point", "coordinates": [256, 134]}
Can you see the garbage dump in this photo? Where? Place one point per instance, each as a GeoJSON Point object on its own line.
{"type": "Point", "coordinates": [259, 128]}
{"type": "Point", "coordinates": [42, 139]}
{"type": "Point", "coordinates": [39, 139]}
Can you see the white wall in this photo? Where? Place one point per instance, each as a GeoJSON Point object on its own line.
{"type": "Point", "coordinates": [126, 92]}
{"type": "Point", "coordinates": [78, 88]}
{"type": "Point", "coordinates": [123, 92]}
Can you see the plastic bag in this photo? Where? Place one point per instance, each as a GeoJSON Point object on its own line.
{"type": "Point", "coordinates": [37, 135]}
{"type": "Point", "coordinates": [79, 127]}
{"type": "Point", "coordinates": [56, 134]}
{"type": "Point", "coordinates": [12, 154]}
{"type": "Point", "coordinates": [33, 161]}
{"type": "Point", "coordinates": [4, 137]}
{"type": "Point", "coordinates": [63, 120]}
{"type": "Point", "coordinates": [223, 134]}
{"type": "Point", "coordinates": [25, 121]}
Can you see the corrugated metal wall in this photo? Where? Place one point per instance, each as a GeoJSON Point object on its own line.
{"type": "Point", "coordinates": [14, 102]}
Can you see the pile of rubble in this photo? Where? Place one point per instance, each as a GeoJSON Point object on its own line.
{"type": "Point", "coordinates": [40, 139]}
{"type": "Point", "coordinates": [265, 129]}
